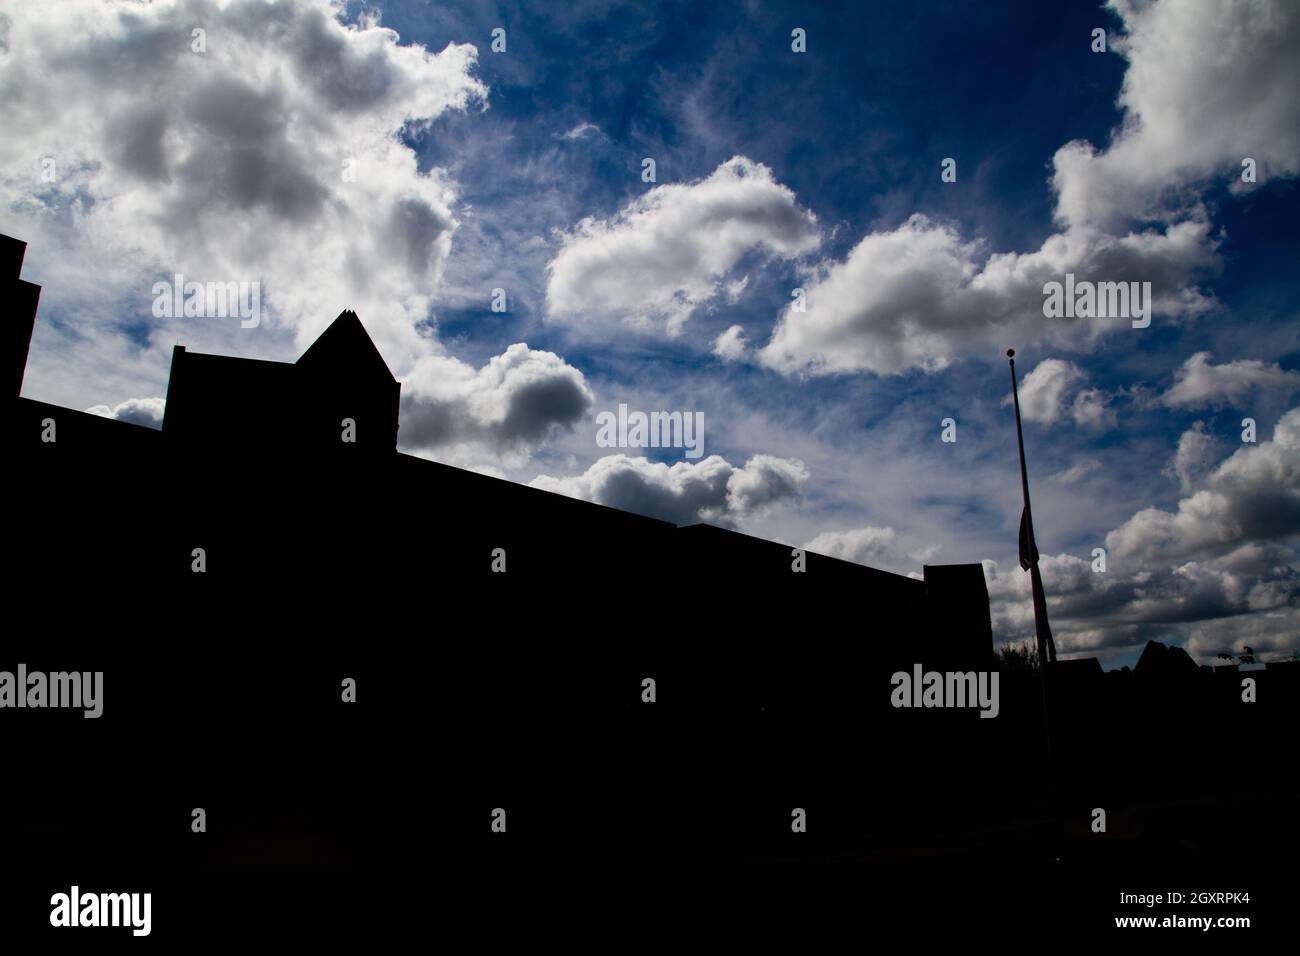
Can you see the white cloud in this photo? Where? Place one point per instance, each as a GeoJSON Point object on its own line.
{"type": "Point", "coordinates": [918, 296]}
{"type": "Point", "coordinates": [137, 411]}
{"type": "Point", "coordinates": [1194, 458]}
{"type": "Point", "coordinates": [1200, 384]}
{"type": "Point", "coordinates": [1230, 597]}
{"type": "Point", "coordinates": [1044, 390]}
{"type": "Point", "coordinates": [1219, 570]}
{"type": "Point", "coordinates": [1252, 496]}
{"type": "Point", "coordinates": [731, 345]}
{"type": "Point", "coordinates": [765, 480]}
{"type": "Point", "coordinates": [876, 547]}
{"type": "Point", "coordinates": [581, 130]}
{"type": "Point", "coordinates": [712, 490]}
{"type": "Point", "coordinates": [1091, 409]}
{"type": "Point", "coordinates": [229, 165]}
{"type": "Point", "coordinates": [516, 401]}
{"type": "Point", "coordinates": [1078, 471]}
{"type": "Point", "coordinates": [668, 251]}
{"type": "Point", "coordinates": [1273, 635]}
{"type": "Point", "coordinates": [276, 156]}
{"type": "Point", "coordinates": [1206, 86]}
{"type": "Point", "coordinates": [736, 289]}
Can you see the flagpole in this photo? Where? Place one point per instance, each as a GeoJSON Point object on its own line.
{"type": "Point", "coordinates": [1042, 629]}
{"type": "Point", "coordinates": [1046, 646]}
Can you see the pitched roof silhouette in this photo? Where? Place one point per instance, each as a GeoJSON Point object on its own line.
{"type": "Point", "coordinates": [344, 344]}
{"type": "Point", "coordinates": [285, 407]}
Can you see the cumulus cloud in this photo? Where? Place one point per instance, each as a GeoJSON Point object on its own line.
{"type": "Point", "coordinates": [516, 401]}
{"type": "Point", "coordinates": [763, 481]}
{"type": "Point", "coordinates": [1252, 496]}
{"type": "Point", "coordinates": [731, 345]}
{"type": "Point", "coordinates": [1206, 86]}
{"type": "Point", "coordinates": [1194, 458]}
{"type": "Point", "coordinates": [712, 490]}
{"type": "Point", "coordinates": [668, 251]}
{"type": "Point", "coordinates": [1091, 409]}
{"type": "Point", "coordinates": [1051, 391]}
{"type": "Point", "coordinates": [1200, 383]}
{"type": "Point", "coordinates": [1273, 635]}
{"type": "Point", "coordinates": [1054, 391]}
{"type": "Point", "coordinates": [1206, 604]}
{"type": "Point", "coordinates": [1202, 90]}
{"type": "Point", "coordinates": [876, 547]}
{"type": "Point", "coordinates": [137, 411]}
{"type": "Point", "coordinates": [919, 295]}
{"type": "Point", "coordinates": [1218, 570]}
{"type": "Point", "coordinates": [274, 156]}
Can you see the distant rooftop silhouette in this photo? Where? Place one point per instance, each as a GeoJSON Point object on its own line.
{"type": "Point", "coordinates": [285, 408]}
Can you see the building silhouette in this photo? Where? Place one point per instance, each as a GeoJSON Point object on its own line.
{"type": "Point", "coordinates": [228, 569]}
{"type": "Point", "coordinates": [289, 408]}
{"type": "Point", "coordinates": [226, 418]}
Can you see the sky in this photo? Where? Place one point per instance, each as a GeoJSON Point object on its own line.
{"type": "Point", "coordinates": [489, 212]}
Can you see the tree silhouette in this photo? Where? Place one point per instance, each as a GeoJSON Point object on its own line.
{"type": "Point", "coordinates": [1019, 657]}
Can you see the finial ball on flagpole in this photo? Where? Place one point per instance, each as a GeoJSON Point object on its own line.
{"type": "Point", "coordinates": [1011, 353]}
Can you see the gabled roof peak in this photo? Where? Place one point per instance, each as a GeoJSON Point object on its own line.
{"type": "Point", "coordinates": [344, 344]}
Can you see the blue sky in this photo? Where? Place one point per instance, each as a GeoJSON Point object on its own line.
{"type": "Point", "coordinates": [521, 170]}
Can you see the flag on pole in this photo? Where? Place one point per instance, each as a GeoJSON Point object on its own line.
{"type": "Point", "coordinates": [1028, 549]}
